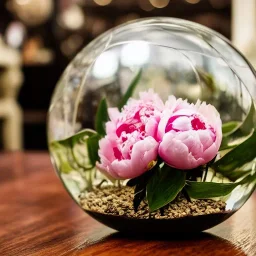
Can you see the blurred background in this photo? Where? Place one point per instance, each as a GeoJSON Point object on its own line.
{"type": "Point", "coordinates": [38, 38]}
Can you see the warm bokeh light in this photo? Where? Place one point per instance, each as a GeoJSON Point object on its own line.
{"type": "Point", "coordinates": [72, 18]}
{"type": "Point", "coordinates": [31, 12]}
{"type": "Point", "coordinates": [145, 5]}
{"type": "Point", "coordinates": [193, 1]}
{"type": "Point", "coordinates": [102, 2]}
{"type": "Point", "coordinates": [22, 2]}
{"type": "Point", "coordinates": [159, 3]}
{"type": "Point", "coordinates": [15, 34]}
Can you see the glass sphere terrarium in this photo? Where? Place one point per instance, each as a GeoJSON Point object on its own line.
{"type": "Point", "coordinates": [152, 127]}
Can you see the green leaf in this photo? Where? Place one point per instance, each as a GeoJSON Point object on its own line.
{"type": "Point", "coordinates": [237, 174]}
{"type": "Point", "coordinates": [142, 179]}
{"type": "Point", "coordinates": [93, 147]}
{"type": "Point", "coordinates": [240, 155]}
{"type": "Point", "coordinates": [101, 117]}
{"type": "Point", "coordinates": [164, 186]}
{"type": "Point", "coordinates": [139, 195]}
{"type": "Point", "coordinates": [130, 89]}
{"type": "Point", "coordinates": [229, 127]}
{"type": "Point", "coordinates": [61, 156]}
{"type": "Point", "coordinates": [231, 139]}
{"type": "Point", "coordinates": [249, 122]}
{"type": "Point", "coordinates": [80, 136]}
{"type": "Point", "coordinates": [207, 80]}
{"type": "Point", "coordinates": [132, 182]}
{"type": "Point", "coordinates": [140, 184]}
{"type": "Point", "coordinates": [102, 111]}
{"type": "Point", "coordinates": [204, 190]}
{"type": "Point", "coordinates": [72, 153]}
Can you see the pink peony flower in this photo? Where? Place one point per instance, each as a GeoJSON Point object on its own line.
{"type": "Point", "coordinates": [128, 159]}
{"type": "Point", "coordinates": [129, 148]}
{"type": "Point", "coordinates": [142, 115]}
{"type": "Point", "coordinates": [190, 135]}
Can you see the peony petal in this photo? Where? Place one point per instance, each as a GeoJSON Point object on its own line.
{"type": "Point", "coordinates": [143, 153]}
{"type": "Point", "coordinates": [151, 127]}
{"type": "Point", "coordinates": [183, 146]}
{"type": "Point", "coordinates": [212, 117]}
{"type": "Point", "coordinates": [210, 113]}
{"type": "Point", "coordinates": [113, 114]}
{"type": "Point", "coordinates": [192, 141]}
{"type": "Point", "coordinates": [218, 134]}
{"type": "Point", "coordinates": [175, 105]}
{"type": "Point", "coordinates": [123, 169]}
{"type": "Point", "coordinates": [176, 154]}
{"type": "Point", "coordinates": [106, 171]}
{"type": "Point", "coordinates": [185, 112]}
{"type": "Point", "coordinates": [106, 149]}
{"type": "Point", "coordinates": [182, 123]}
{"type": "Point", "coordinates": [151, 96]}
{"type": "Point", "coordinates": [111, 128]}
{"type": "Point", "coordinates": [210, 153]}
{"type": "Point", "coordinates": [205, 138]}
{"type": "Point", "coordinates": [162, 124]}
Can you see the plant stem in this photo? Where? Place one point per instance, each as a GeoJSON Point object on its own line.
{"type": "Point", "coordinates": [184, 192]}
{"type": "Point", "coordinates": [206, 172]}
{"type": "Point", "coordinates": [99, 185]}
{"type": "Point", "coordinates": [89, 180]}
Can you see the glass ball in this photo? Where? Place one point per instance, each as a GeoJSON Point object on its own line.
{"type": "Point", "coordinates": [168, 57]}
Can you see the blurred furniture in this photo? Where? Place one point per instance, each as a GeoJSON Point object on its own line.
{"type": "Point", "coordinates": [244, 26]}
{"type": "Point", "coordinates": [38, 217]}
{"type": "Point", "coordinates": [244, 32]}
{"type": "Point", "coordinates": [11, 79]}
{"type": "Point", "coordinates": [31, 12]}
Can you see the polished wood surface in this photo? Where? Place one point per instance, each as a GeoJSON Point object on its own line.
{"type": "Point", "coordinates": [38, 217]}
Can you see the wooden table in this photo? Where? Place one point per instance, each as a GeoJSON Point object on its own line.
{"type": "Point", "coordinates": [37, 217]}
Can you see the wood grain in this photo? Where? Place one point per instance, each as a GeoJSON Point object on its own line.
{"type": "Point", "coordinates": [37, 217]}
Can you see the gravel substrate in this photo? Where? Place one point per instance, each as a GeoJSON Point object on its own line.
{"type": "Point", "coordinates": [119, 201]}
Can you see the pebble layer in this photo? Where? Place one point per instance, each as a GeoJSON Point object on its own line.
{"type": "Point", "coordinates": [119, 201]}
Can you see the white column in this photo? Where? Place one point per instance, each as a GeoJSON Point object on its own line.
{"type": "Point", "coordinates": [244, 24]}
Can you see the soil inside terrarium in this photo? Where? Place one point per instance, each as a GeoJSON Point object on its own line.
{"type": "Point", "coordinates": [119, 202]}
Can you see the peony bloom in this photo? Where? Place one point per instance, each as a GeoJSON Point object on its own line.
{"type": "Point", "coordinates": [128, 159]}
{"type": "Point", "coordinates": [190, 135]}
{"type": "Point", "coordinates": [142, 115]}
{"type": "Point", "coordinates": [129, 149]}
